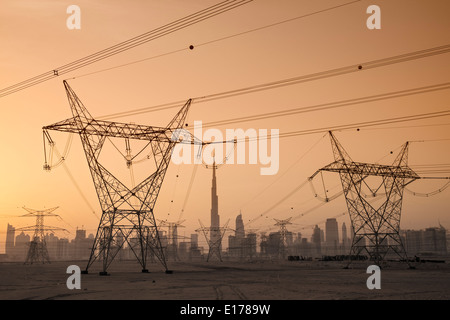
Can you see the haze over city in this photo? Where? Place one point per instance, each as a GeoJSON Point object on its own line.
{"type": "Point", "coordinates": [224, 57]}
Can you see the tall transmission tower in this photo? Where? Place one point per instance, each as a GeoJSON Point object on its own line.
{"type": "Point", "coordinates": [37, 252]}
{"type": "Point", "coordinates": [213, 236]}
{"type": "Point", "coordinates": [283, 245]}
{"type": "Point", "coordinates": [375, 230]}
{"type": "Point", "coordinates": [127, 213]}
{"type": "Point", "coordinates": [172, 247]}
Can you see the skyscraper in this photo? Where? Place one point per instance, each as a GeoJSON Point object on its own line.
{"type": "Point", "coordinates": [345, 240]}
{"type": "Point", "coordinates": [332, 235]}
{"type": "Point", "coordinates": [215, 218]}
{"type": "Point", "coordinates": [316, 239]}
{"type": "Point", "coordinates": [9, 245]}
{"type": "Point", "coordinates": [237, 243]}
{"type": "Point", "coordinates": [240, 231]}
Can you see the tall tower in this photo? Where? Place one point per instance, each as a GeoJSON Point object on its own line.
{"type": "Point", "coordinates": [316, 239]}
{"type": "Point", "coordinates": [215, 218]}
{"type": "Point", "coordinates": [240, 231]}
{"type": "Point", "coordinates": [376, 228]}
{"type": "Point", "coordinates": [127, 211]}
{"type": "Point", "coordinates": [332, 235]}
{"type": "Point", "coordinates": [10, 234]}
{"type": "Point", "coordinates": [344, 236]}
{"type": "Point", "coordinates": [37, 251]}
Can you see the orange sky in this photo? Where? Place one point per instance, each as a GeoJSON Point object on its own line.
{"type": "Point", "coordinates": [35, 39]}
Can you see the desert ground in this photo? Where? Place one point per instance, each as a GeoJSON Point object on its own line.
{"type": "Point", "coordinates": [257, 280]}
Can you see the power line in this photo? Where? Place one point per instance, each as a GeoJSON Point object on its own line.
{"type": "Point", "coordinates": [159, 32]}
{"type": "Point", "coordinates": [354, 125]}
{"type": "Point", "coordinates": [333, 105]}
{"type": "Point", "coordinates": [284, 173]}
{"type": "Point", "coordinates": [358, 125]}
{"type": "Point", "coordinates": [222, 38]}
{"type": "Point", "coordinates": [296, 80]}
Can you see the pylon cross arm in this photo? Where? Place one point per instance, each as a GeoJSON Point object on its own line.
{"type": "Point", "coordinates": [112, 129]}
{"type": "Point", "coordinates": [369, 169]}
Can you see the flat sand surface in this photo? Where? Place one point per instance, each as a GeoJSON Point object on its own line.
{"type": "Point", "coordinates": [287, 280]}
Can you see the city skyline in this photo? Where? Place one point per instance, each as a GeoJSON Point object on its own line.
{"type": "Point", "coordinates": [303, 46]}
{"type": "Point", "coordinates": [237, 244]}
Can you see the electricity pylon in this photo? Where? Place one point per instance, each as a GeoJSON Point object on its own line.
{"type": "Point", "coordinates": [283, 245]}
{"type": "Point", "coordinates": [172, 247]}
{"type": "Point", "coordinates": [127, 213]}
{"type": "Point", "coordinates": [214, 242]}
{"type": "Point", "coordinates": [37, 252]}
{"type": "Point", "coordinates": [376, 231]}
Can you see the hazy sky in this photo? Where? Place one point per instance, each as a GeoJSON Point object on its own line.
{"type": "Point", "coordinates": [35, 39]}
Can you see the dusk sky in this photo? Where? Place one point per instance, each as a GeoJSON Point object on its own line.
{"type": "Point", "coordinates": [36, 39]}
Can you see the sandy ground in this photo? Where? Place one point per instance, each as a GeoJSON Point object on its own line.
{"type": "Point", "coordinates": [295, 280]}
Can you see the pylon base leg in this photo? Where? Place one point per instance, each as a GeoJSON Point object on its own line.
{"type": "Point", "coordinates": [103, 273]}
{"type": "Point", "coordinates": [84, 272]}
{"type": "Point", "coordinates": [145, 271]}
{"type": "Point", "coordinates": [169, 271]}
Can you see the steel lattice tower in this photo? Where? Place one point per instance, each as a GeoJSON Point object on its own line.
{"type": "Point", "coordinates": [37, 252]}
{"type": "Point", "coordinates": [172, 247]}
{"type": "Point", "coordinates": [283, 246]}
{"type": "Point", "coordinates": [376, 231]}
{"type": "Point", "coordinates": [127, 214]}
{"type": "Point", "coordinates": [213, 236]}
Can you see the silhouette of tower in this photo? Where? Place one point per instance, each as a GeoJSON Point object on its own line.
{"type": "Point", "coordinates": [214, 242]}
{"type": "Point", "coordinates": [9, 245]}
{"type": "Point", "coordinates": [344, 236]}
{"type": "Point", "coordinates": [37, 251]}
{"type": "Point", "coordinates": [240, 231]}
{"type": "Point", "coordinates": [215, 235]}
{"type": "Point", "coordinates": [127, 213]}
{"type": "Point", "coordinates": [332, 235]}
{"type": "Point", "coordinates": [316, 239]}
{"type": "Point", "coordinates": [283, 245]}
{"type": "Point", "coordinates": [375, 229]}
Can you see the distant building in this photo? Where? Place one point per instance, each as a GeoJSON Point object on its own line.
{"type": "Point", "coordinates": [316, 240]}
{"type": "Point", "coordinates": [9, 245]}
{"type": "Point", "coordinates": [332, 236]}
{"type": "Point", "coordinates": [17, 247]}
{"type": "Point", "coordinates": [427, 241]}
{"type": "Point", "coordinates": [194, 241]}
{"type": "Point", "coordinates": [215, 218]}
{"type": "Point", "coordinates": [345, 240]}
{"type": "Point", "coordinates": [240, 245]}
{"type": "Point", "coordinates": [80, 247]}
{"type": "Point", "coordinates": [434, 240]}
{"type": "Point", "coordinates": [194, 250]}
{"type": "Point", "coordinates": [52, 245]}
{"type": "Point", "coordinates": [21, 246]}
{"type": "Point", "coordinates": [240, 231]}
